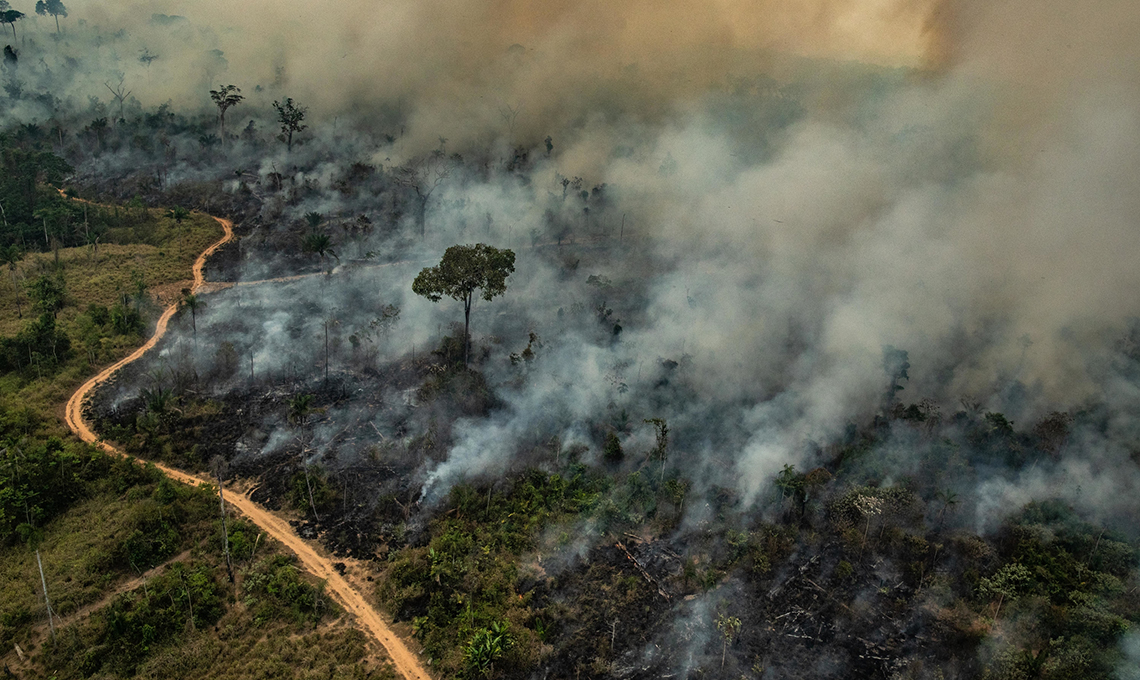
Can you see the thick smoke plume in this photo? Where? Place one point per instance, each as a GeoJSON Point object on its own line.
{"type": "Point", "coordinates": [797, 186]}
{"type": "Point", "coordinates": [730, 215]}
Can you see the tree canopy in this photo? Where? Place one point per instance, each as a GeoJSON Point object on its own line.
{"type": "Point", "coordinates": [56, 8]}
{"type": "Point", "coordinates": [10, 17]}
{"type": "Point", "coordinates": [462, 271]}
{"type": "Point", "coordinates": [289, 115]}
{"type": "Point", "coordinates": [225, 97]}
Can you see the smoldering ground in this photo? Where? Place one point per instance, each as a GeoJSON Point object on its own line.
{"type": "Point", "coordinates": [766, 220]}
{"type": "Point", "coordinates": [976, 215]}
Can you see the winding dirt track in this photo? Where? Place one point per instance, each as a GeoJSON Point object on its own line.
{"type": "Point", "coordinates": [406, 663]}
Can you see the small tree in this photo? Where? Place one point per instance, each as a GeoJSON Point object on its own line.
{"type": "Point", "coordinates": [949, 499]}
{"type": "Point", "coordinates": [56, 8]}
{"type": "Point", "coordinates": [486, 647]}
{"type": "Point", "coordinates": [612, 450]}
{"type": "Point", "coordinates": [48, 294]}
{"type": "Point", "coordinates": [300, 407]}
{"type": "Point", "coordinates": [462, 271]}
{"type": "Point", "coordinates": [677, 489]}
{"type": "Point", "coordinates": [789, 482]}
{"type": "Point", "coordinates": [389, 317]}
{"type": "Point", "coordinates": [424, 177]}
{"type": "Point", "coordinates": [728, 626]}
{"type": "Point", "coordinates": [896, 363]}
{"type": "Point", "coordinates": [11, 256]}
{"type": "Point", "coordinates": [661, 450]}
{"type": "Point", "coordinates": [178, 213]}
{"type": "Point", "coordinates": [140, 288]}
{"type": "Point", "coordinates": [120, 93]}
{"type": "Point", "coordinates": [225, 98]}
{"type": "Point", "coordinates": [289, 115]}
{"type": "Point", "coordinates": [219, 467]}
{"type": "Point", "coordinates": [869, 507]}
{"type": "Point", "coordinates": [1006, 584]}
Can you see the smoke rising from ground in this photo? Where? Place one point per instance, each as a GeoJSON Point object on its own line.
{"type": "Point", "coordinates": [452, 69]}
{"type": "Point", "coordinates": [795, 195]}
{"type": "Point", "coordinates": [739, 209]}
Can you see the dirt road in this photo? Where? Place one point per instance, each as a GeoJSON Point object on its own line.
{"type": "Point", "coordinates": [406, 662]}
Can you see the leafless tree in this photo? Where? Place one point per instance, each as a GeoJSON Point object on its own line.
{"type": "Point", "coordinates": [219, 466]}
{"type": "Point", "coordinates": [120, 93]}
{"type": "Point", "coordinates": [423, 177]}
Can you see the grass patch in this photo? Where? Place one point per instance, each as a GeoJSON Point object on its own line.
{"type": "Point", "coordinates": [101, 541]}
{"type": "Point", "coordinates": [162, 265]}
{"type": "Point", "coordinates": [102, 279]}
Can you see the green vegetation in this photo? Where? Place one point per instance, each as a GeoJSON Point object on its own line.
{"type": "Point", "coordinates": [462, 271]}
{"type": "Point", "coordinates": [461, 588]}
{"type": "Point", "coordinates": [136, 576]}
{"type": "Point", "coordinates": [133, 563]}
{"type": "Point", "coordinates": [1045, 596]}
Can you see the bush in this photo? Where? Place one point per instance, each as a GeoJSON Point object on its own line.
{"type": "Point", "coordinates": [274, 590]}
{"type": "Point", "coordinates": [612, 450]}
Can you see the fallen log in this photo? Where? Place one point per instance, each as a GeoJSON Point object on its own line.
{"type": "Point", "coordinates": [652, 581]}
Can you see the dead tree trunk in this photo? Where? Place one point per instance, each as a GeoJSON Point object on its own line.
{"type": "Point", "coordinates": [47, 602]}
{"type": "Point", "coordinates": [225, 533]}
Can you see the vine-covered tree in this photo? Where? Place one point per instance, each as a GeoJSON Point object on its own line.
{"type": "Point", "coordinates": [462, 271]}
{"type": "Point", "coordinates": [289, 115]}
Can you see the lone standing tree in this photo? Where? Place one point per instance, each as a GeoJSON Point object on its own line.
{"type": "Point", "coordinates": [10, 16]}
{"type": "Point", "coordinates": [56, 8]}
{"type": "Point", "coordinates": [290, 116]}
{"type": "Point", "coordinates": [462, 271]}
{"type": "Point", "coordinates": [225, 98]}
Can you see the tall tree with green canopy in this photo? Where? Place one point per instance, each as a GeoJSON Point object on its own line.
{"type": "Point", "coordinates": [56, 8]}
{"type": "Point", "coordinates": [225, 98]}
{"type": "Point", "coordinates": [462, 271]}
{"type": "Point", "coordinates": [10, 16]}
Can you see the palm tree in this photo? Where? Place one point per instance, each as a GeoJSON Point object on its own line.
{"type": "Point", "coordinates": [319, 243]}
{"type": "Point", "coordinates": [193, 303]}
{"type": "Point", "coordinates": [178, 213]}
{"type": "Point", "coordinates": [300, 407]}
{"type": "Point", "coordinates": [728, 626]}
{"type": "Point", "coordinates": [158, 401]}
